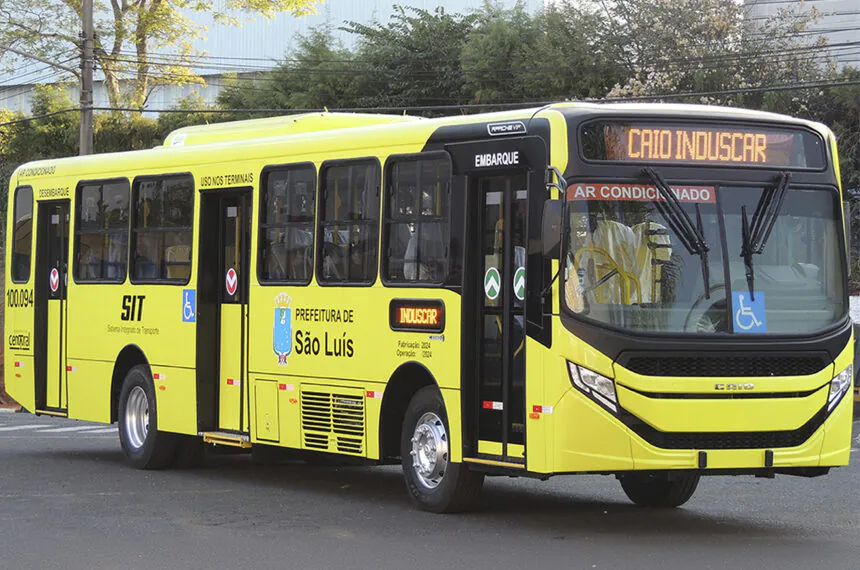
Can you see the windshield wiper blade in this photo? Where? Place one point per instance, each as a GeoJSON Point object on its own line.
{"type": "Point", "coordinates": [691, 236]}
{"type": "Point", "coordinates": [754, 235]}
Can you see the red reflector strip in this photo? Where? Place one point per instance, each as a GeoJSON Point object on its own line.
{"type": "Point", "coordinates": [231, 382]}
{"type": "Point", "coordinates": [282, 387]}
{"type": "Point", "coordinates": [19, 365]}
{"type": "Point", "coordinates": [488, 405]}
{"type": "Point", "coordinates": [374, 394]}
{"type": "Point", "coordinates": [158, 376]}
{"type": "Point", "coordinates": [71, 368]}
{"type": "Point", "coordinates": [542, 409]}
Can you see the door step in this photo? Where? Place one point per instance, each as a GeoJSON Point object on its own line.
{"type": "Point", "coordinates": [493, 462]}
{"type": "Point", "coordinates": [52, 413]}
{"type": "Point", "coordinates": [227, 438]}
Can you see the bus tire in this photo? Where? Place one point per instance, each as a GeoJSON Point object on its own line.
{"type": "Point", "coordinates": [434, 483]}
{"type": "Point", "coordinates": [659, 490]}
{"type": "Point", "coordinates": [143, 445]}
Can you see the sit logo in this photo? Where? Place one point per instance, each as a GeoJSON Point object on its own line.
{"type": "Point", "coordinates": [282, 330]}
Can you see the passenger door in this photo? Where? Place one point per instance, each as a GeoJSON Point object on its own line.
{"type": "Point", "coordinates": [500, 280]}
{"type": "Point", "coordinates": [52, 255]}
{"type": "Point", "coordinates": [223, 288]}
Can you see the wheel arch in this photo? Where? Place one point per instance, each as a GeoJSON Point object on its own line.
{"type": "Point", "coordinates": [402, 386]}
{"type": "Point", "coordinates": [129, 357]}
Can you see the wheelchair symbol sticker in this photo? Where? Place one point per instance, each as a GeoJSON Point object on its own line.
{"type": "Point", "coordinates": [749, 315]}
{"type": "Point", "coordinates": [189, 305]}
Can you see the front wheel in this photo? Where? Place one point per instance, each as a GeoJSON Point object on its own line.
{"type": "Point", "coordinates": [144, 446]}
{"type": "Point", "coordinates": [434, 482]}
{"type": "Point", "coordinates": [660, 490]}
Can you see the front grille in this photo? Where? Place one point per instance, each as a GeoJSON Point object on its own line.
{"type": "Point", "coordinates": [333, 421]}
{"type": "Point", "coordinates": [751, 440]}
{"type": "Point", "coordinates": [724, 440]}
{"type": "Point", "coordinates": [722, 366]}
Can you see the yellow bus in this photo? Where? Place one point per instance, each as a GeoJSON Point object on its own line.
{"type": "Point", "coordinates": [654, 292]}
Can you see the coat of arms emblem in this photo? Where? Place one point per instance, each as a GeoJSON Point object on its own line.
{"type": "Point", "coordinates": [282, 330]}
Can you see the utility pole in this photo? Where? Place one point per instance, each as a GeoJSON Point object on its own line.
{"type": "Point", "coordinates": [87, 78]}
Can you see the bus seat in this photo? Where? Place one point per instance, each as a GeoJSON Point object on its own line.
{"type": "Point", "coordinates": [619, 242]}
{"type": "Point", "coordinates": [178, 260]}
{"type": "Point", "coordinates": [653, 250]}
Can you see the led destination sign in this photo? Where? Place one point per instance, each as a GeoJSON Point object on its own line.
{"type": "Point", "coordinates": [702, 144]}
{"type": "Point", "coordinates": [417, 315]}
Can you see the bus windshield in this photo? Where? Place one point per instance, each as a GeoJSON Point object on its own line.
{"type": "Point", "coordinates": [630, 261]}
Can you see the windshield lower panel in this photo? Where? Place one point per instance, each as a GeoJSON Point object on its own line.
{"type": "Point", "coordinates": [628, 263]}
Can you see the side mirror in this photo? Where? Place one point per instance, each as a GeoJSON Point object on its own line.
{"type": "Point", "coordinates": [551, 228]}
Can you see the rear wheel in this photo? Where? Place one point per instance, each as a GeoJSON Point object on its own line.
{"type": "Point", "coordinates": [661, 490]}
{"type": "Point", "coordinates": [144, 446]}
{"type": "Point", "coordinates": [434, 482]}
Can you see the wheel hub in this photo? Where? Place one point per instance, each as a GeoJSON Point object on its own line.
{"type": "Point", "coordinates": [137, 417]}
{"type": "Point", "coordinates": [430, 450]}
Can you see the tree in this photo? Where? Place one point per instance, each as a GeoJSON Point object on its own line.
{"type": "Point", "coordinates": [412, 60]}
{"type": "Point", "coordinates": [839, 108]}
{"type": "Point", "coordinates": [707, 46]}
{"type": "Point", "coordinates": [128, 33]}
{"type": "Point", "coordinates": [320, 74]}
{"type": "Point", "coordinates": [558, 54]}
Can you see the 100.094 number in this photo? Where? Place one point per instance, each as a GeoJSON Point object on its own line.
{"type": "Point", "coordinates": [19, 298]}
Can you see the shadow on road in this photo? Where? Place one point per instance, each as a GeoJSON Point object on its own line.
{"type": "Point", "coordinates": [325, 493]}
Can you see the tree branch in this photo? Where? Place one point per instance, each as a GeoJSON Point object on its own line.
{"type": "Point", "coordinates": [41, 60]}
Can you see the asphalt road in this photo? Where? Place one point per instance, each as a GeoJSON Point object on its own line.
{"type": "Point", "coordinates": [68, 501]}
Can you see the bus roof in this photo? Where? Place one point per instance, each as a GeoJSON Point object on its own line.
{"type": "Point", "coordinates": [275, 126]}
{"type": "Point", "coordinates": [355, 130]}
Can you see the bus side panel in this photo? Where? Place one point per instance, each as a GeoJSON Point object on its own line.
{"type": "Point", "coordinates": [176, 399]}
{"type": "Point", "coordinates": [90, 390]}
{"type": "Point", "coordinates": [20, 379]}
{"type": "Point", "coordinates": [341, 336]}
{"type": "Point", "coordinates": [538, 424]}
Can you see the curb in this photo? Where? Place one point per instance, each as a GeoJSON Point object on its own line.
{"type": "Point", "coordinates": [9, 410]}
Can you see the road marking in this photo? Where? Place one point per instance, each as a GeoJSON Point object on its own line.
{"type": "Point", "coordinates": [104, 430]}
{"type": "Point", "coordinates": [18, 428]}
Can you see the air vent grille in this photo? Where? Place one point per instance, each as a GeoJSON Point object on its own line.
{"type": "Point", "coordinates": [333, 420]}
{"type": "Point", "coordinates": [725, 366]}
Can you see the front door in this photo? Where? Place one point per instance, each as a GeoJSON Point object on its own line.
{"type": "Point", "coordinates": [52, 255]}
{"type": "Point", "coordinates": [228, 229]}
{"type": "Point", "coordinates": [501, 283]}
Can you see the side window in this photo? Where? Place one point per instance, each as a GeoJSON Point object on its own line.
{"type": "Point", "coordinates": [22, 236]}
{"type": "Point", "coordinates": [162, 218]}
{"type": "Point", "coordinates": [349, 222]}
{"type": "Point", "coordinates": [287, 225]}
{"type": "Point", "coordinates": [415, 237]}
{"type": "Point", "coordinates": [101, 232]}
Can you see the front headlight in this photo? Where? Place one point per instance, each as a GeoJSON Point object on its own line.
{"type": "Point", "coordinates": [840, 384]}
{"type": "Point", "coordinates": [598, 387]}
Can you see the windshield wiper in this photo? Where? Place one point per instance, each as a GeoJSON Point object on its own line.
{"type": "Point", "coordinates": [691, 236]}
{"type": "Point", "coordinates": [754, 235]}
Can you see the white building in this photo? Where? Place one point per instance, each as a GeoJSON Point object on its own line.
{"type": "Point", "coordinates": [839, 23]}
{"type": "Point", "coordinates": [257, 45]}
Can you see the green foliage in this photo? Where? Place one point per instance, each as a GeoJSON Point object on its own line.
{"type": "Point", "coordinates": [412, 60]}
{"type": "Point", "coordinates": [320, 74]}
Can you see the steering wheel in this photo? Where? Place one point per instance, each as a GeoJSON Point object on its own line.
{"type": "Point", "coordinates": [697, 320]}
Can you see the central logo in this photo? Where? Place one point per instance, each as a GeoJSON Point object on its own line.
{"type": "Point", "coordinates": [282, 330]}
